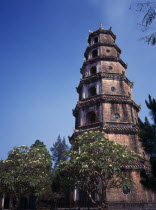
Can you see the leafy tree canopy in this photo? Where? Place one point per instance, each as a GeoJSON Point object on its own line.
{"type": "Point", "coordinates": [96, 164]}
{"type": "Point", "coordinates": [26, 171]}
{"type": "Point", "coordinates": [38, 143]}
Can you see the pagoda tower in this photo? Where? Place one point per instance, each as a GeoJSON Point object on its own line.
{"type": "Point", "coordinates": [106, 104]}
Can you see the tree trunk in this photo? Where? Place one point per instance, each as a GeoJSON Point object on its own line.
{"type": "Point", "coordinates": [11, 203]}
{"type": "Point", "coordinates": [17, 202]}
{"type": "Point", "coordinates": [104, 203]}
{"type": "Point", "coordinates": [3, 198]}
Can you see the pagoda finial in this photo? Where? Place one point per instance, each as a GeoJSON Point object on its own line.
{"type": "Point", "coordinates": [101, 27]}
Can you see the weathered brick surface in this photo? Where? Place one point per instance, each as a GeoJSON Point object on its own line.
{"type": "Point", "coordinates": [126, 112]}
{"type": "Point", "coordinates": [105, 104]}
{"type": "Point", "coordinates": [121, 87]}
{"type": "Point", "coordinates": [116, 67]}
{"type": "Point", "coordinates": [106, 38]}
{"type": "Point", "coordinates": [137, 194]}
{"type": "Point", "coordinates": [109, 51]}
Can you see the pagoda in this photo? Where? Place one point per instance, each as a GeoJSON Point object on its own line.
{"type": "Point", "coordinates": [106, 104]}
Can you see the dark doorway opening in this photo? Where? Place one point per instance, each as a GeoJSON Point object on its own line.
{"type": "Point", "coordinates": [91, 117]}
{"type": "Point", "coordinates": [96, 40]}
{"type": "Point", "coordinates": [92, 91]}
{"type": "Point", "coordinates": [94, 53]}
{"type": "Point", "coordinates": [93, 70]}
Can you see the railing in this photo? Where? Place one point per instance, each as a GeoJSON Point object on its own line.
{"type": "Point", "coordinates": [119, 124]}
{"type": "Point", "coordinates": [89, 126]}
{"type": "Point", "coordinates": [107, 124]}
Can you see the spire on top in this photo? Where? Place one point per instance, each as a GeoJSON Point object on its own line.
{"type": "Point", "coordinates": [101, 27]}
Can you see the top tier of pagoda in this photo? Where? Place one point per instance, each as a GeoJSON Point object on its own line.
{"type": "Point", "coordinates": [102, 46]}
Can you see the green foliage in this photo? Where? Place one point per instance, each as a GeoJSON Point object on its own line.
{"type": "Point", "coordinates": [60, 189]}
{"type": "Point", "coordinates": [147, 134]}
{"type": "Point", "coordinates": [147, 131]}
{"type": "Point", "coordinates": [96, 164]}
{"type": "Point", "coordinates": [38, 143]}
{"type": "Point", "coordinates": [151, 104]}
{"type": "Point", "coordinates": [59, 150]}
{"type": "Point", "coordinates": [26, 171]}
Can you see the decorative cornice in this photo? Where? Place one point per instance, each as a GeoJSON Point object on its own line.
{"type": "Point", "coordinates": [103, 58]}
{"type": "Point", "coordinates": [99, 44]}
{"type": "Point", "coordinates": [101, 31]}
{"type": "Point", "coordinates": [111, 76]}
{"type": "Point", "coordinates": [101, 98]}
{"type": "Point", "coordinates": [119, 128]}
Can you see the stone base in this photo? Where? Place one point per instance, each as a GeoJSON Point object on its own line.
{"type": "Point", "coordinates": [121, 206]}
{"type": "Point", "coordinates": [134, 206]}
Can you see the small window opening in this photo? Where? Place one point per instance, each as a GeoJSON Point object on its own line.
{"type": "Point", "coordinates": [107, 50]}
{"type": "Point", "coordinates": [96, 40]}
{"type": "Point", "coordinates": [93, 70]}
{"type": "Point", "coordinates": [112, 88]}
{"type": "Point", "coordinates": [110, 67]}
{"type": "Point", "coordinates": [94, 53]}
{"type": "Point", "coordinates": [126, 190]}
{"type": "Point", "coordinates": [92, 91]}
{"type": "Point", "coordinates": [91, 117]}
{"type": "Point", "coordinates": [117, 116]}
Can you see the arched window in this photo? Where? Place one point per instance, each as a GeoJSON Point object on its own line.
{"type": "Point", "coordinates": [96, 40]}
{"type": "Point", "coordinates": [94, 53]}
{"type": "Point", "coordinates": [92, 91]}
{"type": "Point", "coordinates": [91, 117]}
{"type": "Point", "coordinates": [93, 70]}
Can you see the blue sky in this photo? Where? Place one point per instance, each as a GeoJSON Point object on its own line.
{"type": "Point", "coordinates": [41, 52]}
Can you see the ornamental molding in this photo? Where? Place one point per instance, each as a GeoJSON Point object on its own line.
{"type": "Point", "coordinates": [120, 128]}
{"type": "Point", "coordinates": [103, 58]}
{"type": "Point", "coordinates": [100, 44]}
{"type": "Point", "coordinates": [101, 75]}
{"type": "Point", "coordinates": [102, 31]}
{"type": "Point", "coordinates": [103, 98]}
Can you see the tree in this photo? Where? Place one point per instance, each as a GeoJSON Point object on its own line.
{"type": "Point", "coordinates": [148, 9]}
{"type": "Point", "coordinates": [38, 143]}
{"type": "Point", "coordinates": [26, 171]}
{"type": "Point", "coordinates": [96, 165]}
{"type": "Point", "coordinates": [147, 134]}
{"type": "Point", "coordinates": [59, 150]}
